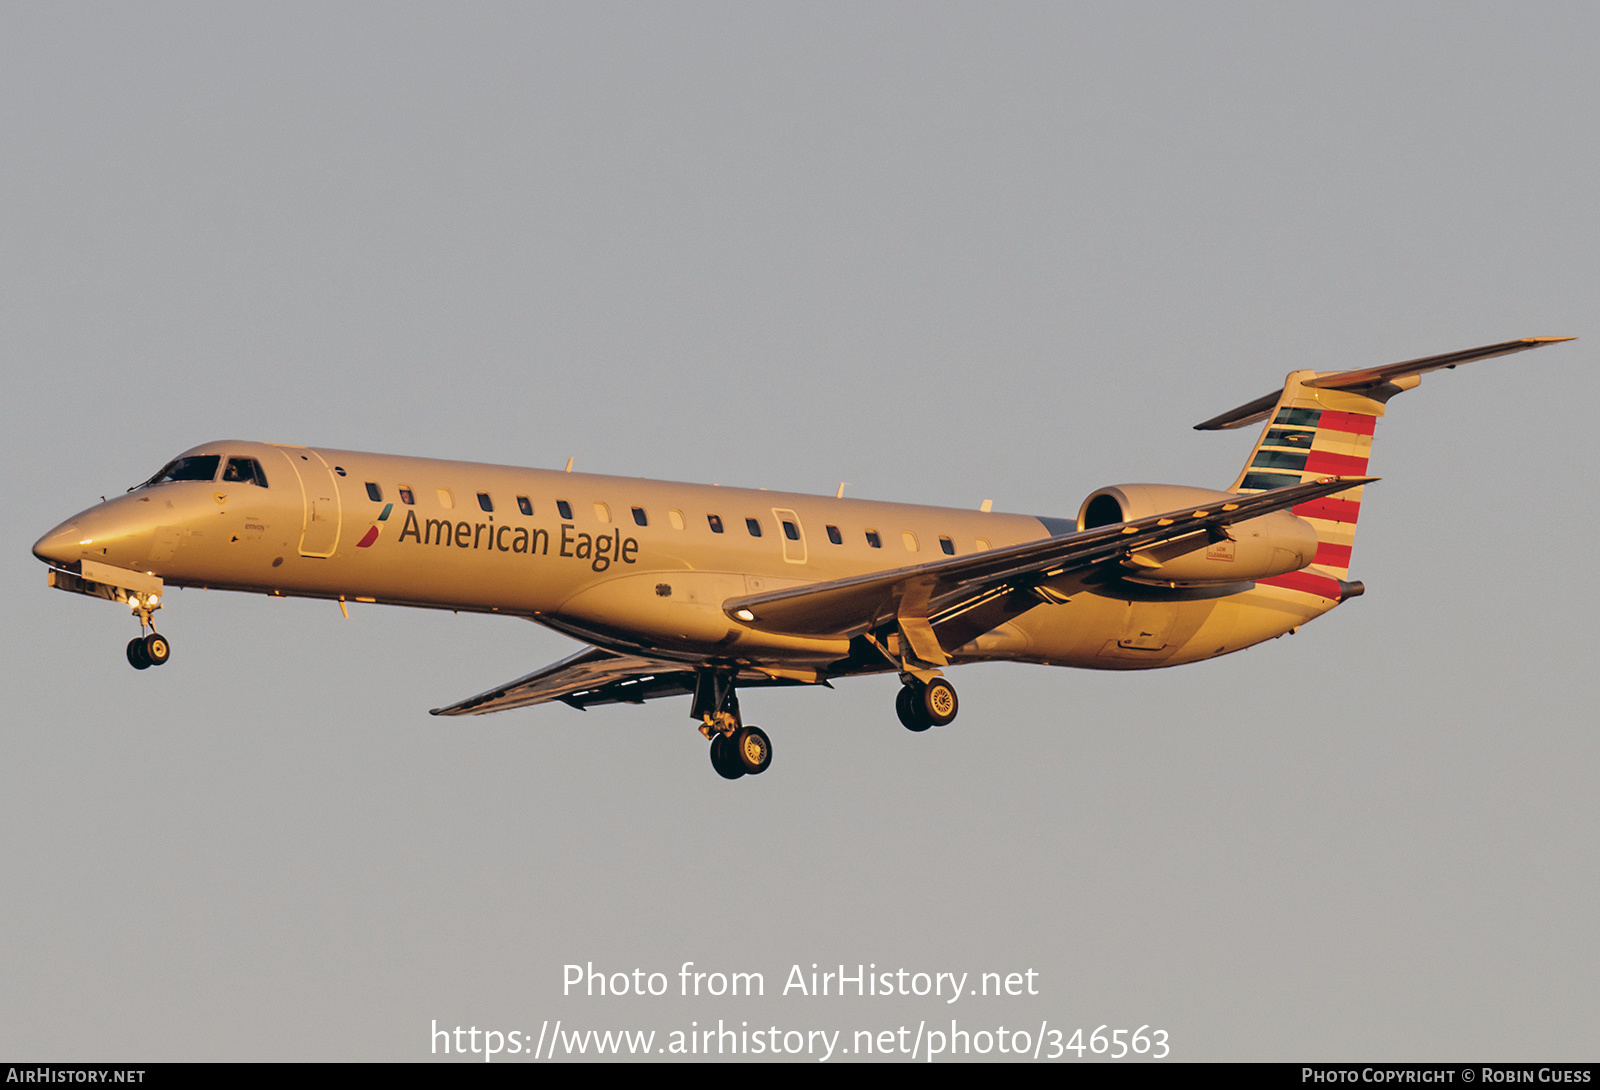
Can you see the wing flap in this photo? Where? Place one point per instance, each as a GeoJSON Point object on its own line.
{"type": "Point", "coordinates": [844, 608]}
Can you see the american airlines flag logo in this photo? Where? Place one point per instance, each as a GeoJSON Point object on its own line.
{"type": "Point", "coordinates": [372, 534]}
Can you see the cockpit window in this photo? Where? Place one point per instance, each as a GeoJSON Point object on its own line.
{"type": "Point", "coordinates": [245, 471]}
{"type": "Point", "coordinates": [200, 467]}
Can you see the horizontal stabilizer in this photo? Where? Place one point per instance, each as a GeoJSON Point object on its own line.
{"type": "Point", "coordinates": [1372, 377]}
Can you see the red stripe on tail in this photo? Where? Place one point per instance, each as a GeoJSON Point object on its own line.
{"type": "Point", "coordinates": [1342, 465]}
{"type": "Point", "coordinates": [1359, 423]}
{"type": "Point", "coordinates": [1331, 509]}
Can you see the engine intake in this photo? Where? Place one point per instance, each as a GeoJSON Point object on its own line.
{"type": "Point", "coordinates": [1256, 548]}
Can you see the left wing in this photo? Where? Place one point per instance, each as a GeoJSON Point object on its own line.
{"type": "Point", "coordinates": [848, 607]}
{"type": "Point", "coordinates": [593, 676]}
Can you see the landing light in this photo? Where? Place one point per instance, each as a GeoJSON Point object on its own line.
{"type": "Point", "coordinates": [87, 541]}
{"type": "Point", "coordinates": [745, 615]}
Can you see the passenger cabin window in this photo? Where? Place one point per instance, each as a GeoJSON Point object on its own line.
{"type": "Point", "coordinates": [791, 531]}
{"type": "Point", "coordinates": [948, 546]}
{"type": "Point", "coordinates": [202, 467]}
{"type": "Point", "coordinates": [834, 536]}
{"type": "Point", "coordinates": [485, 502]}
{"type": "Point", "coordinates": [245, 471]}
{"type": "Point", "coordinates": [602, 512]}
{"type": "Point", "coordinates": [639, 518]}
{"type": "Point", "coordinates": [874, 540]}
{"type": "Point", "coordinates": [374, 493]}
{"type": "Point", "coordinates": [406, 496]}
{"type": "Point", "coordinates": [565, 508]}
{"type": "Point", "coordinates": [675, 517]}
{"type": "Point", "coordinates": [982, 543]}
{"type": "Point", "coordinates": [754, 526]}
{"type": "Point", "coordinates": [910, 540]}
{"type": "Point", "coordinates": [715, 522]}
{"type": "Point", "coordinates": [446, 500]}
{"type": "Point", "coordinates": [525, 505]}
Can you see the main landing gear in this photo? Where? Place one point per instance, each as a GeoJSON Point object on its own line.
{"type": "Point", "coordinates": [736, 750]}
{"type": "Point", "coordinates": [747, 751]}
{"type": "Point", "coordinates": [921, 705]}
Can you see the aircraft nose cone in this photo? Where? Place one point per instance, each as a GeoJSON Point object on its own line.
{"type": "Point", "coordinates": [59, 546]}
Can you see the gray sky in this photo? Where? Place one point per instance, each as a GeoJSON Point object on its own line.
{"type": "Point", "coordinates": [943, 252]}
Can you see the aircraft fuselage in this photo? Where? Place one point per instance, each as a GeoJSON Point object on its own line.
{"type": "Point", "coordinates": [625, 562]}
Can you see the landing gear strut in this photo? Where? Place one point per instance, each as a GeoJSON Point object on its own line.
{"type": "Point", "coordinates": [736, 750]}
{"type": "Point", "coordinates": [921, 705]}
{"type": "Point", "coordinates": [926, 699]}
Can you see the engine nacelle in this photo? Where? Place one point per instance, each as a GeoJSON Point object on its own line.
{"type": "Point", "coordinates": [1253, 549]}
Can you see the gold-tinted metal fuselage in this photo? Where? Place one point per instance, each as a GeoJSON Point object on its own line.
{"type": "Point", "coordinates": [625, 562]}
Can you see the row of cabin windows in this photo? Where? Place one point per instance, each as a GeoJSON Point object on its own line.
{"type": "Point", "coordinates": [248, 471]}
{"type": "Point", "coordinates": [792, 531]}
{"type": "Point", "coordinates": [602, 511]}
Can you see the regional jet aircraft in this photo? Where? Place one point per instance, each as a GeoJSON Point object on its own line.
{"type": "Point", "coordinates": [702, 591]}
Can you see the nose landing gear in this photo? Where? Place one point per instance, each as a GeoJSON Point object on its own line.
{"type": "Point", "coordinates": [151, 649]}
{"type": "Point", "coordinates": [147, 651]}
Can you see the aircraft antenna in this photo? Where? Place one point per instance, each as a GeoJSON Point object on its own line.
{"type": "Point", "coordinates": [569, 465]}
{"type": "Point", "coordinates": [839, 495]}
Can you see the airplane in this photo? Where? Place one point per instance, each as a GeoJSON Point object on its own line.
{"type": "Point", "coordinates": [702, 590]}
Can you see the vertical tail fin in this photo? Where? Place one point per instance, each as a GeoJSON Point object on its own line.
{"type": "Point", "coordinates": [1311, 434]}
{"type": "Point", "coordinates": [1322, 424]}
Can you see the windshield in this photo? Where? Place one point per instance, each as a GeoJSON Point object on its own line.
{"type": "Point", "coordinates": [201, 467]}
{"type": "Point", "coordinates": [248, 471]}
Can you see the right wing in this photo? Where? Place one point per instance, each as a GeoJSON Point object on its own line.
{"type": "Point", "coordinates": [593, 676]}
{"type": "Point", "coordinates": [843, 608]}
